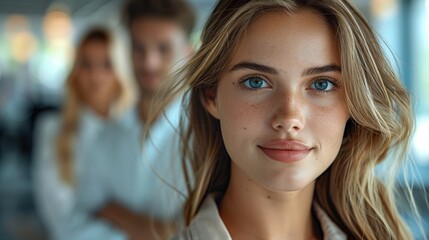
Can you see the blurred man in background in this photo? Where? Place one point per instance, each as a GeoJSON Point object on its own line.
{"type": "Point", "coordinates": [137, 197]}
{"type": "Point", "coordinates": [160, 34]}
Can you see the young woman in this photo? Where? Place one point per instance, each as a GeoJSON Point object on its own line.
{"type": "Point", "coordinates": [292, 105]}
{"type": "Point", "coordinates": [94, 93]}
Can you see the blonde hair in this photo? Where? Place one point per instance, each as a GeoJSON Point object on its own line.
{"type": "Point", "coordinates": [72, 106]}
{"type": "Point", "coordinates": [380, 127]}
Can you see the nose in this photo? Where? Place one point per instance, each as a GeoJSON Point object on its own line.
{"type": "Point", "coordinates": [151, 60]}
{"type": "Point", "coordinates": [96, 77]}
{"type": "Point", "coordinates": [288, 114]}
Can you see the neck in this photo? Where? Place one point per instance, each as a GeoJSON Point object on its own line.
{"type": "Point", "coordinates": [144, 104]}
{"type": "Point", "coordinates": [252, 212]}
{"type": "Point", "coordinates": [101, 111]}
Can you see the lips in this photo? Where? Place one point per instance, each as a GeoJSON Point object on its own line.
{"type": "Point", "coordinates": [285, 151]}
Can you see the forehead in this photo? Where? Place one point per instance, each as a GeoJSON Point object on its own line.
{"type": "Point", "coordinates": [281, 39]}
{"type": "Point", "coordinates": [94, 49]}
{"type": "Point", "coordinates": [156, 28]}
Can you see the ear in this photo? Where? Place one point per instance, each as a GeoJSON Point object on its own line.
{"type": "Point", "coordinates": [210, 102]}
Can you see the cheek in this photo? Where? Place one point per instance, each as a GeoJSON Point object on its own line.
{"type": "Point", "coordinates": [168, 60]}
{"type": "Point", "coordinates": [235, 110]}
{"type": "Point", "coordinates": [111, 86]}
{"type": "Point", "coordinates": [82, 82]}
{"type": "Point", "coordinates": [328, 125]}
{"type": "Point", "coordinates": [136, 60]}
{"type": "Point", "coordinates": [241, 118]}
{"type": "Point", "coordinates": [107, 76]}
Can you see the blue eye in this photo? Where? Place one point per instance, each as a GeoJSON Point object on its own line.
{"type": "Point", "coordinates": [255, 83]}
{"type": "Point", "coordinates": [322, 85]}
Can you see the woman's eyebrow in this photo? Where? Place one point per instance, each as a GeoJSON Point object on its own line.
{"type": "Point", "coordinates": [271, 70]}
{"type": "Point", "coordinates": [254, 66]}
{"type": "Point", "coordinates": [322, 69]}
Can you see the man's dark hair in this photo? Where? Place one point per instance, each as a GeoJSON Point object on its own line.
{"type": "Point", "coordinates": [176, 10]}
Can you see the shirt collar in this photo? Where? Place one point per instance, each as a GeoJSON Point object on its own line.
{"type": "Point", "coordinates": [131, 119]}
{"type": "Point", "coordinates": [329, 228]}
{"type": "Point", "coordinates": [91, 122]}
{"type": "Point", "coordinates": [207, 222]}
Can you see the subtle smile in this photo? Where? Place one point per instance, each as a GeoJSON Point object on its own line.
{"type": "Point", "coordinates": [285, 151]}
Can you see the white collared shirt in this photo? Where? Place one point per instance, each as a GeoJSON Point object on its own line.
{"type": "Point", "coordinates": [134, 172]}
{"type": "Point", "coordinates": [110, 166]}
{"type": "Point", "coordinates": [57, 201]}
{"type": "Point", "coordinates": [208, 224]}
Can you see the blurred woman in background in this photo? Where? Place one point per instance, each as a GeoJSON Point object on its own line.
{"type": "Point", "coordinates": [94, 95]}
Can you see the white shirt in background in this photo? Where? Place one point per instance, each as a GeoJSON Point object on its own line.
{"type": "Point", "coordinates": [135, 178]}
{"type": "Point", "coordinates": [110, 166]}
{"type": "Point", "coordinates": [57, 201]}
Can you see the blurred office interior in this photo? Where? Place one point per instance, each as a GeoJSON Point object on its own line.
{"type": "Point", "coordinates": [36, 51]}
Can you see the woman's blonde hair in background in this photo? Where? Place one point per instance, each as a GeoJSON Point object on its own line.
{"type": "Point", "coordinates": [72, 105]}
{"type": "Point", "coordinates": [379, 130]}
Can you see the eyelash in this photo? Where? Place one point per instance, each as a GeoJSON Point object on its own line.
{"type": "Point", "coordinates": [334, 82]}
{"type": "Point", "coordinates": [243, 80]}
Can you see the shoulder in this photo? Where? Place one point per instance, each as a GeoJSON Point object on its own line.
{"type": "Point", "coordinates": [45, 130]}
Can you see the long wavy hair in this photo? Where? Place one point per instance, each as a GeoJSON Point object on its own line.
{"type": "Point", "coordinates": [72, 106]}
{"type": "Point", "coordinates": [360, 202]}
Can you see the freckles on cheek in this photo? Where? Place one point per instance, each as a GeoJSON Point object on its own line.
{"type": "Point", "coordinates": [241, 115]}
{"type": "Point", "coordinates": [240, 112]}
{"type": "Point", "coordinates": [240, 109]}
{"type": "Point", "coordinates": [330, 125]}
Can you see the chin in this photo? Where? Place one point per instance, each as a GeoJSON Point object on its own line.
{"type": "Point", "coordinates": [294, 187]}
{"type": "Point", "coordinates": [149, 88]}
{"type": "Point", "coordinates": [286, 183]}
{"type": "Point", "coordinates": [149, 81]}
